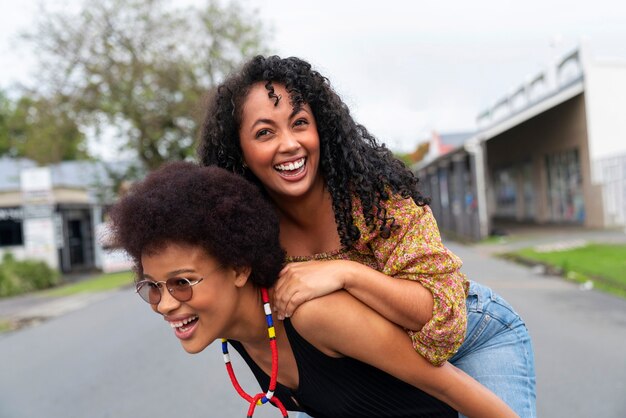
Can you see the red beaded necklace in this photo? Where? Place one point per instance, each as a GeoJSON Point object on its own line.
{"type": "Point", "coordinates": [260, 398]}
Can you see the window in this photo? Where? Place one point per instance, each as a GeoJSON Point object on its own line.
{"type": "Point", "coordinates": [11, 233]}
{"type": "Point", "coordinates": [565, 196]}
{"type": "Point", "coordinates": [505, 188]}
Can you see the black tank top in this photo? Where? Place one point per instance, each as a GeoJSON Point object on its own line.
{"type": "Point", "coordinates": [346, 388]}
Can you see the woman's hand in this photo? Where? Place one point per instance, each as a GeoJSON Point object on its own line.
{"type": "Point", "coordinates": [303, 281]}
{"type": "Point", "coordinates": [403, 302]}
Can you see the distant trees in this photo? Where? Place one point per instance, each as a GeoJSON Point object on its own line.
{"type": "Point", "coordinates": [138, 68]}
{"type": "Point", "coordinates": [39, 128]}
{"type": "Point", "coordinates": [416, 156]}
{"type": "Point", "coordinates": [5, 114]}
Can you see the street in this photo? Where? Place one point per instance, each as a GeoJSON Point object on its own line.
{"type": "Point", "coordinates": [579, 337]}
{"type": "Point", "coordinates": [116, 358]}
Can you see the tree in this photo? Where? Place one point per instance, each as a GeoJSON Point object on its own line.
{"type": "Point", "coordinates": [409, 159]}
{"type": "Point", "coordinates": [41, 129]}
{"type": "Point", "coordinates": [142, 67]}
{"type": "Point", "coordinates": [5, 114]}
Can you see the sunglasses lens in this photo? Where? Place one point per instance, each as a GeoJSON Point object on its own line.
{"type": "Point", "coordinates": [149, 292]}
{"type": "Point", "coordinates": [180, 288]}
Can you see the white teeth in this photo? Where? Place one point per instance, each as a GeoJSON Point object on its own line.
{"type": "Point", "coordinates": [290, 166]}
{"type": "Point", "coordinates": [183, 322]}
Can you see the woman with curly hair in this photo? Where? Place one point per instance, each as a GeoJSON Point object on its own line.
{"type": "Point", "coordinates": [206, 249]}
{"type": "Point", "coordinates": [351, 217]}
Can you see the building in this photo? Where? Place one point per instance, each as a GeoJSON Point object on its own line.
{"type": "Point", "coordinates": [551, 151]}
{"type": "Point", "coordinates": [52, 213]}
{"type": "Point", "coordinates": [449, 179]}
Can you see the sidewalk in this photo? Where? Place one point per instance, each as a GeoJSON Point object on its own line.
{"type": "Point", "coordinates": [522, 236]}
{"type": "Point", "coordinates": [33, 308]}
{"type": "Point", "coordinates": [26, 309]}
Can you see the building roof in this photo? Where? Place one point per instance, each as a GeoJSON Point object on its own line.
{"type": "Point", "coordinates": [10, 172]}
{"type": "Point", "coordinates": [561, 81]}
{"type": "Point", "coordinates": [455, 139]}
{"type": "Point", "coordinates": [80, 174]}
{"type": "Point", "coordinates": [69, 174]}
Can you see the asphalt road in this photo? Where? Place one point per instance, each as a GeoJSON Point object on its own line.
{"type": "Point", "coordinates": [579, 337]}
{"type": "Point", "coordinates": [115, 358]}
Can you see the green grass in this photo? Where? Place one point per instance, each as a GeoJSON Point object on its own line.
{"type": "Point", "coordinates": [5, 326]}
{"type": "Point", "coordinates": [100, 283]}
{"type": "Point", "coordinates": [603, 263]}
{"type": "Point", "coordinates": [494, 239]}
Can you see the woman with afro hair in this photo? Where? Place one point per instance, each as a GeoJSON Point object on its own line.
{"type": "Point", "coordinates": [351, 217]}
{"type": "Point", "coordinates": [206, 249]}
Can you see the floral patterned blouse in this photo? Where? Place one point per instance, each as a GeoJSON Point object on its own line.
{"type": "Point", "coordinates": [414, 252]}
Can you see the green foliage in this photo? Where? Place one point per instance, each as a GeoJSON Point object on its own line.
{"type": "Point", "coordinates": [416, 156]}
{"type": "Point", "coordinates": [5, 114]}
{"type": "Point", "coordinates": [142, 67]}
{"type": "Point", "coordinates": [24, 276]}
{"type": "Point", "coordinates": [9, 284]}
{"type": "Point", "coordinates": [5, 326]}
{"type": "Point", "coordinates": [42, 129]}
{"type": "Point", "coordinates": [405, 158]}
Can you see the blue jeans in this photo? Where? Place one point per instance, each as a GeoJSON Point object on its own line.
{"type": "Point", "coordinates": [497, 351]}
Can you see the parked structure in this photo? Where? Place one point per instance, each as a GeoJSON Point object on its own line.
{"type": "Point", "coordinates": [52, 213]}
{"type": "Point", "coordinates": [552, 151]}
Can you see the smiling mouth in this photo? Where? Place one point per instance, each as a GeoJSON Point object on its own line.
{"type": "Point", "coordinates": [184, 325]}
{"type": "Point", "coordinates": [292, 168]}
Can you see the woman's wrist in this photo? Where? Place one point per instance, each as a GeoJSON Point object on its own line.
{"type": "Point", "coordinates": [351, 274]}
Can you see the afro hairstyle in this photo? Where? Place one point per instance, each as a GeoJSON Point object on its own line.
{"type": "Point", "coordinates": [209, 207]}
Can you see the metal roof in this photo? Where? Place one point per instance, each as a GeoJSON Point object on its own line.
{"type": "Point", "coordinates": [71, 174]}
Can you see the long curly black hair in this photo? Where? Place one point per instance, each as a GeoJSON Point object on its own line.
{"type": "Point", "coordinates": [209, 207]}
{"type": "Point", "coordinates": [352, 161]}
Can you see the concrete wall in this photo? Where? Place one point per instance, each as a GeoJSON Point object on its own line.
{"type": "Point", "coordinates": [67, 195]}
{"type": "Point", "coordinates": [557, 130]}
{"type": "Point", "coordinates": [18, 251]}
{"type": "Point", "coordinates": [11, 198]}
{"type": "Point", "coordinates": [610, 173]}
{"type": "Point", "coordinates": [605, 99]}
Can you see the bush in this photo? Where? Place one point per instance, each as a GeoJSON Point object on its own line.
{"type": "Point", "coordinates": [25, 276]}
{"type": "Point", "coordinates": [8, 283]}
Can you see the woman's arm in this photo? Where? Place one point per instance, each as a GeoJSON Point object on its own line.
{"type": "Point", "coordinates": [366, 336]}
{"type": "Point", "coordinates": [430, 303]}
{"type": "Point", "coordinates": [403, 302]}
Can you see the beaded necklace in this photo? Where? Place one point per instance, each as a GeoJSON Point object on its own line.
{"type": "Point", "coordinates": [260, 398]}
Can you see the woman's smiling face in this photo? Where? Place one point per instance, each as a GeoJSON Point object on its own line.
{"type": "Point", "coordinates": [280, 145]}
{"type": "Point", "coordinates": [211, 311]}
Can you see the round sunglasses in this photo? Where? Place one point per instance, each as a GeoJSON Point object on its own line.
{"type": "Point", "coordinates": [181, 288]}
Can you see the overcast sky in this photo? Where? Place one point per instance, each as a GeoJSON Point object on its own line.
{"type": "Point", "coordinates": [408, 67]}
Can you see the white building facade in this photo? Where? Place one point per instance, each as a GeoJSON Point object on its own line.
{"type": "Point", "coordinates": [53, 213]}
